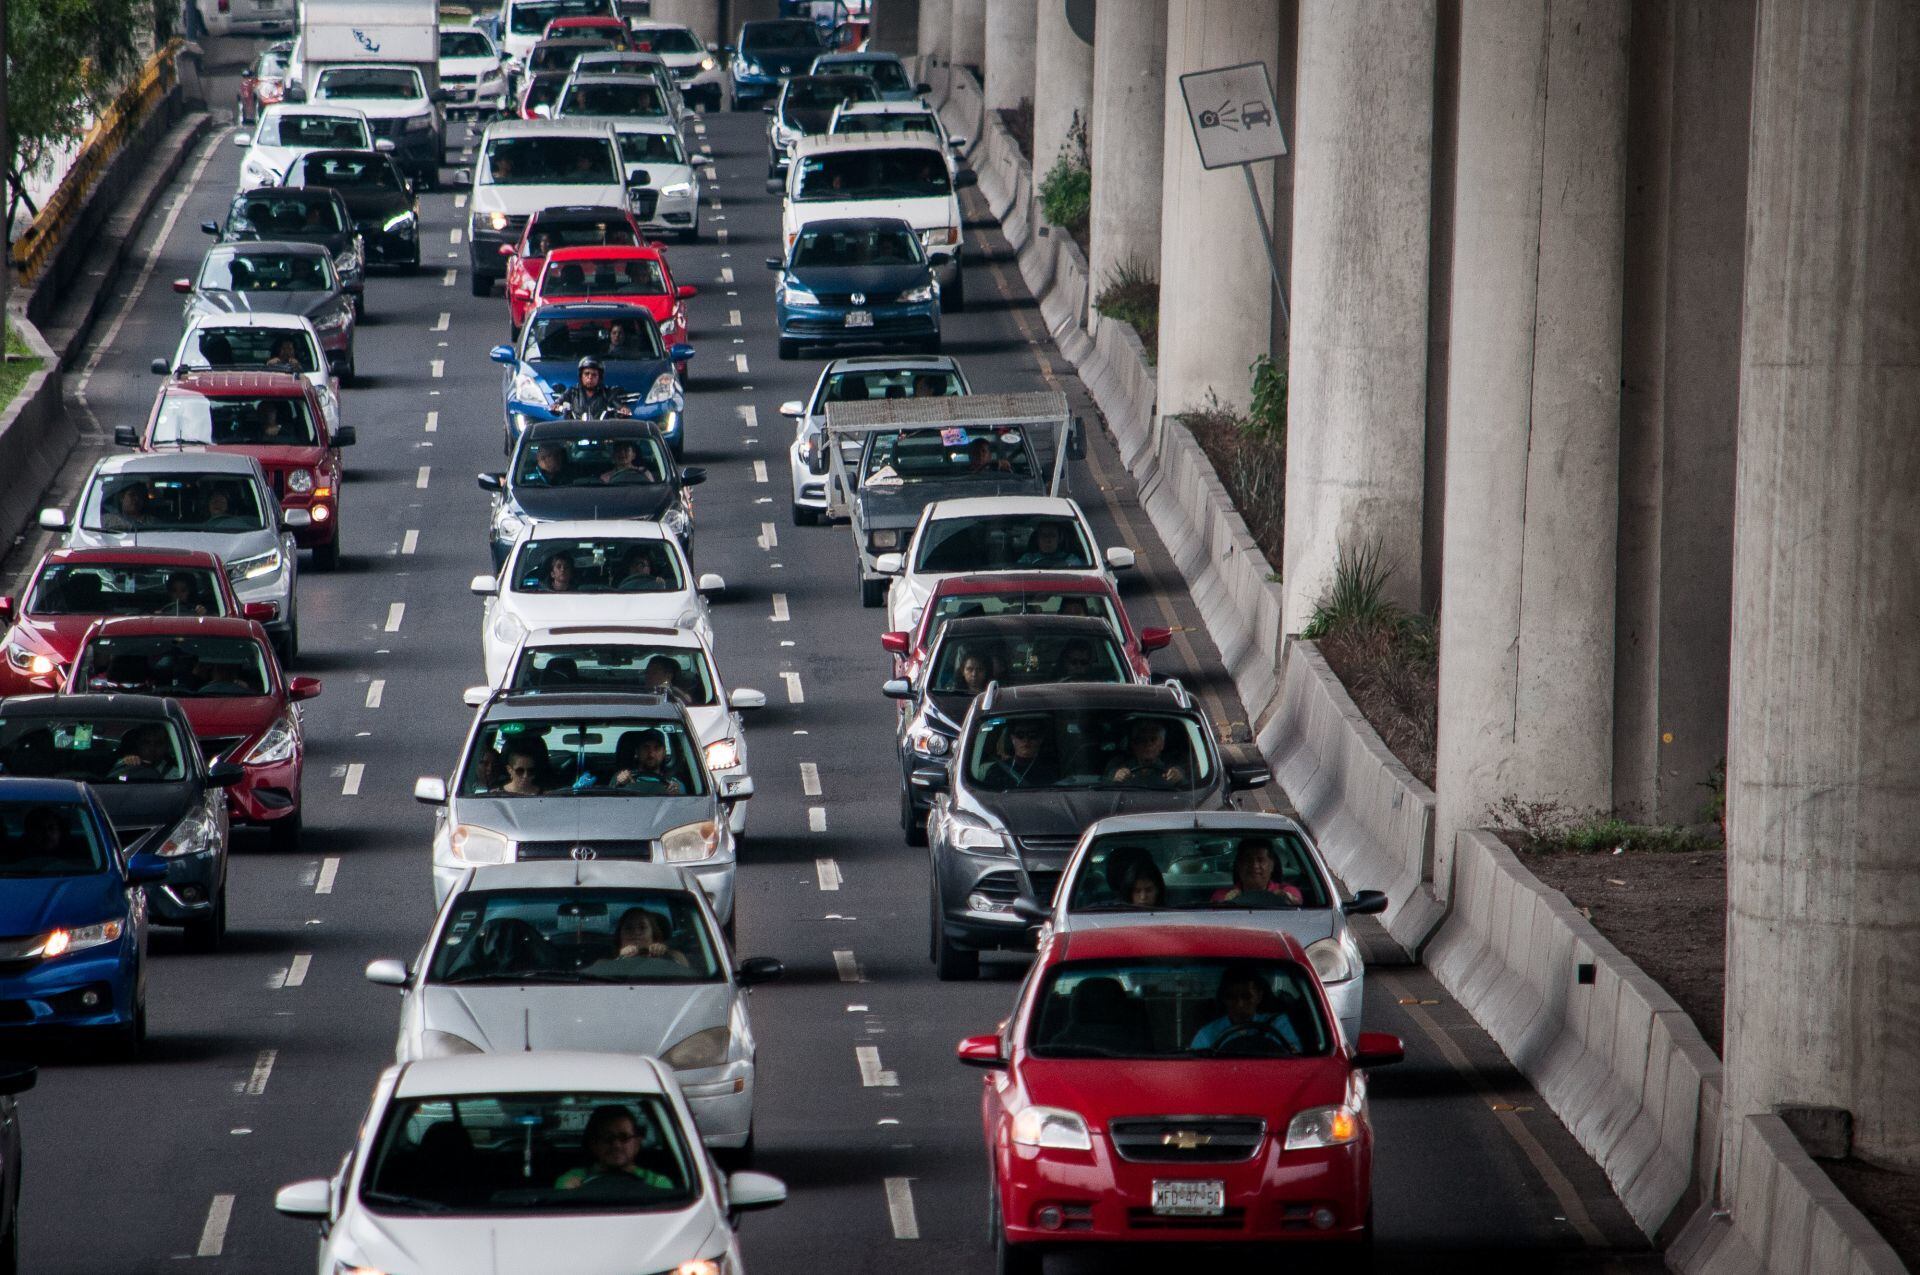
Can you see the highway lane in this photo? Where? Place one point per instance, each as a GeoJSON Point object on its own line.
{"type": "Point", "coordinates": [263, 1054]}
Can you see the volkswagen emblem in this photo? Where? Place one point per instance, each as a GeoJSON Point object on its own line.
{"type": "Point", "coordinates": [859, 298]}
{"type": "Point", "coordinates": [1185, 1140]}
{"type": "Point", "coordinates": [583, 854]}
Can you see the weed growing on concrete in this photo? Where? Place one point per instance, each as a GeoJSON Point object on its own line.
{"type": "Point", "coordinates": [1552, 827]}
{"type": "Point", "coordinates": [1018, 121]}
{"type": "Point", "coordinates": [1132, 295]}
{"type": "Point", "coordinates": [1267, 417]}
{"type": "Point", "coordinates": [1387, 658]}
{"type": "Point", "coordinates": [1066, 192]}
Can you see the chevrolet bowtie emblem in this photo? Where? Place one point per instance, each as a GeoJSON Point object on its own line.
{"type": "Point", "coordinates": [1185, 1140]}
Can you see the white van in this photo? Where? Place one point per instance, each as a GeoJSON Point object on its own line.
{"type": "Point", "coordinates": [523, 166]}
{"type": "Point", "coordinates": [841, 175]}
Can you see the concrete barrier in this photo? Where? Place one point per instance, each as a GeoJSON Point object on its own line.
{"type": "Point", "coordinates": [35, 436]}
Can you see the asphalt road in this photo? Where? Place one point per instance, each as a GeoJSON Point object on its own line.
{"type": "Point", "coordinates": [262, 1055]}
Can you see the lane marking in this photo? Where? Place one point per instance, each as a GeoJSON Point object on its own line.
{"type": "Point", "coordinates": [809, 779]}
{"type": "Point", "coordinates": [297, 972]}
{"type": "Point", "coordinates": [759, 471]}
{"type": "Point", "coordinates": [828, 874]}
{"type": "Point", "coordinates": [900, 1209]}
{"type": "Point", "coordinates": [780, 615]}
{"type": "Point", "coordinates": [794, 694]}
{"type": "Point", "coordinates": [768, 538]}
{"type": "Point", "coordinates": [329, 869]}
{"type": "Point", "coordinates": [733, 318]}
{"type": "Point", "coordinates": [395, 614]}
{"type": "Point", "coordinates": [716, 205]}
{"type": "Point", "coordinates": [262, 1068]}
{"type": "Point", "coordinates": [213, 1236]}
{"type": "Point", "coordinates": [410, 541]}
{"type": "Point", "coordinates": [453, 236]}
{"type": "Point", "coordinates": [375, 690]}
{"type": "Point", "coordinates": [740, 364]}
{"type": "Point", "coordinates": [426, 472]}
{"type": "Point", "coordinates": [350, 786]}
{"type": "Point", "coordinates": [850, 972]}
{"type": "Point", "coordinates": [440, 324]}
{"type": "Point", "coordinates": [749, 415]}
{"type": "Point", "coordinates": [459, 201]}
{"type": "Point", "coordinates": [446, 280]}
{"type": "Point", "coordinates": [816, 818]}
{"type": "Point", "coordinates": [439, 367]}
{"type": "Point", "coordinates": [726, 274]}
{"type": "Point", "coordinates": [433, 418]}
{"type": "Point", "coordinates": [720, 235]}
{"type": "Point", "coordinates": [872, 1074]}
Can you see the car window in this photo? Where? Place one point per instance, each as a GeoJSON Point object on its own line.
{"type": "Point", "coordinates": [823, 93]}
{"type": "Point", "coordinates": [889, 123]}
{"type": "Point", "coordinates": [371, 171]}
{"type": "Point", "coordinates": [214, 346]}
{"type": "Point", "coordinates": [908, 173]}
{"type": "Point", "coordinates": [94, 748]}
{"type": "Point", "coordinates": [650, 148]}
{"type": "Point", "coordinates": [527, 161]}
{"type": "Point", "coordinates": [843, 246]}
{"type": "Point", "coordinates": [270, 215]}
{"type": "Point", "coordinates": [116, 589]}
{"type": "Point", "coordinates": [529, 1153]}
{"type": "Point", "coordinates": [860, 386]}
{"type": "Point", "coordinates": [1088, 748]}
{"type": "Point", "coordinates": [243, 421]}
{"type": "Point", "coordinates": [597, 566]}
{"type": "Point", "coordinates": [530, 17]}
{"type": "Point", "coordinates": [568, 339]}
{"type": "Point", "coordinates": [950, 606]}
{"type": "Point", "coordinates": [465, 44]}
{"type": "Point", "coordinates": [628, 98]}
{"type": "Point", "coordinates": [681, 671]}
{"type": "Point", "coordinates": [566, 232]}
{"type": "Point", "coordinates": [764, 37]}
{"type": "Point", "coordinates": [351, 83]}
{"type": "Point", "coordinates": [273, 62]}
{"type": "Point", "coordinates": [183, 666]}
{"type": "Point", "coordinates": [1174, 1008]}
{"type": "Point", "coordinates": [575, 935]}
{"type": "Point", "coordinates": [1197, 868]}
{"type": "Point", "coordinates": [543, 89]}
{"type": "Point", "coordinates": [674, 40]}
{"type": "Point", "coordinates": [999, 542]}
{"type": "Point", "coordinates": [626, 276]}
{"type": "Point", "coordinates": [966, 666]}
{"type": "Point", "coordinates": [593, 460]}
{"type": "Point", "coordinates": [957, 454]}
{"type": "Point", "coordinates": [45, 840]}
{"type": "Point", "coordinates": [886, 74]}
{"type": "Point", "coordinates": [563, 54]}
{"type": "Point", "coordinates": [293, 129]}
{"type": "Point", "coordinates": [173, 501]}
{"type": "Point", "coordinates": [266, 272]}
{"type": "Point", "coordinates": [576, 757]}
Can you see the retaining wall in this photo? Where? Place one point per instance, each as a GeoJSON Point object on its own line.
{"type": "Point", "coordinates": [35, 438]}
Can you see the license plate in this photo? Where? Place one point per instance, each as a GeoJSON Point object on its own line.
{"type": "Point", "coordinates": [1189, 1199]}
{"type": "Point", "coordinates": [859, 319]}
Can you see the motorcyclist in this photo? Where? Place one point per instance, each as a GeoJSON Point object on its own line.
{"type": "Point", "coordinates": [590, 399]}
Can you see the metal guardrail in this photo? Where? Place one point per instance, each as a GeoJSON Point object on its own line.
{"type": "Point", "coordinates": [117, 123]}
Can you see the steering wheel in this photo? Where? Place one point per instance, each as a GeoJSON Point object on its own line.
{"type": "Point", "coordinates": [1251, 1030]}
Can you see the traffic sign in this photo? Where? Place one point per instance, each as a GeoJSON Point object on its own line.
{"type": "Point", "coordinates": [1234, 118]}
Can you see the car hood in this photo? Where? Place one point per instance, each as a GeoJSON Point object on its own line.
{"type": "Point", "coordinates": [900, 505]}
{"type": "Point", "coordinates": [137, 807]}
{"type": "Point", "coordinates": [57, 636]}
{"type": "Point", "coordinates": [34, 905]}
{"type": "Point", "coordinates": [522, 201]}
{"type": "Point", "coordinates": [375, 108]}
{"type": "Point", "coordinates": [881, 283]}
{"type": "Point", "coordinates": [634, 818]}
{"type": "Point", "coordinates": [605, 1017]}
{"type": "Point", "coordinates": [644, 501]}
{"type": "Point", "coordinates": [619, 374]}
{"type": "Point", "coordinates": [303, 304]}
{"type": "Point", "coordinates": [594, 1243]}
{"type": "Point", "coordinates": [303, 456]}
{"type": "Point", "coordinates": [226, 544]}
{"type": "Point", "coordinates": [1066, 812]}
{"type": "Point", "coordinates": [484, 67]}
{"type": "Point", "coordinates": [547, 611]}
{"type": "Point", "coordinates": [925, 212]}
{"type": "Point", "coordinates": [375, 203]}
{"type": "Point", "coordinates": [225, 717]}
{"type": "Point", "coordinates": [1274, 1089]}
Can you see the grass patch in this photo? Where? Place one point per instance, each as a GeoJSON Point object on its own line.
{"type": "Point", "coordinates": [1387, 658]}
{"type": "Point", "coordinates": [1066, 192]}
{"type": "Point", "coordinates": [1549, 827]}
{"type": "Point", "coordinates": [1132, 295]}
{"type": "Point", "coordinates": [21, 363]}
{"type": "Point", "coordinates": [1252, 469]}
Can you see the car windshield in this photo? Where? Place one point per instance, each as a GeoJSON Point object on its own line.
{"type": "Point", "coordinates": [273, 63]}
{"type": "Point", "coordinates": [845, 245]}
{"type": "Point", "coordinates": [102, 588]}
{"type": "Point", "coordinates": [680, 671]}
{"type": "Point", "coordinates": [593, 757]}
{"type": "Point", "coordinates": [94, 749]}
{"type": "Point", "coordinates": [546, 234]}
{"type": "Point", "coordinates": [950, 606]}
{"type": "Point", "coordinates": [561, 54]}
{"type": "Point", "coordinates": [248, 420]}
{"type": "Point", "coordinates": [534, 161]}
{"type": "Point", "coordinates": [907, 173]}
{"type": "Point", "coordinates": [606, 276]}
{"type": "Point", "coordinates": [370, 171]}
{"type": "Point", "coordinates": [766, 37]}
{"type": "Point", "coordinates": [823, 93]}
{"type": "Point", "coordinates": [465, 44]}
{"type": "Point", "coordinates": [215, 502]}
{"type": "Point", "coordinates": [863, 385]}
{"type": "Point", "coordinates": [575, 935]}
{"type": "Point", "coordinates": [593, 460]}
{"type": "Point", "coordinates": [901, 122]}
{"type": "Point", "coordinates": [45, 840]}
{"type": "Point", "coordinates": [286, 349]}
{"type": "Point", "coordinates": [967, 666]}
{"type": "Point", "coordinates": [674, 40]}
{"type": "Point", "coordinates": [1197, 868]}
{"type": "Point", "coordinates": [290, 214]}
{"type": "Point", "coordinates": [597, 566]}
{"type": "Point", "coordinates": [180, 665]}
{"type": "Point", "coordinates": [884, 73]}
{"type": "Point", "coordinates": [614, 340]}
{"type": "Point", "coordinates": [614, 62]}
{"type": "Point", "coordinates": [532, 18]}
{"type": "Point", "coordinates": [543, 90]}
{"type": "Point", "coordinates": [650, 148]}
{"type": "Point", "coordinates": [337, 131]}
{"type": "Point", "coordinates": [1002, 542]}
{"type": "Point", "coordinates": [956, 454]}
{"type": "Point", "coordinates": [524, 1153]}
{"type": "Point", "coordinates": [267, 272]}
{"type": "Point", "coordinates": [628, 97]}
{"type": "Point", "coordinates": [354, 83]}
{"type": "Point", "coordinates": [1178, 1008]}
{"type": "Point", "coordinates": [1089, 748]}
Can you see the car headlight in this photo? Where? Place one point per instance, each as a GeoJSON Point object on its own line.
{"type": "Point", "coordinates": [346, 261]}
{"type": "Point", "coordinates": [706, 64]}
{"type": "Point", "coordinates": [418, 124]}
{"type": "Point", "coordinates": [1323, 1127]}
{"type": "Point", "coordinates": [469, 844]}
{"type": "Point", "coordinates": [498, 220]}
{"type": "Point", "coordinates": [528, 388]}
{"type": "Point", "coordinates": [915, 296]}
{"type": "Point", "coordinates": [276, 744]}
{"type": "Point", "coordinates": [76, 939]}
{"type": "Point", "coordinates": [702, 1049]}
{"type": "Point", "coordinates": [677, 188]}
{"type": "Point", "coordinates": [438, 1044]}
{"type": "Point", "coordinates": [1053, 1127]}
{"type": "Point", "coordinates": [924, 739]}
{"type": "Point", "coordinates": [197, 833]}
{"type": "Point", "coordinates": [885, 541]}
{"type": "Point", "coordinates": [25, 661]}
{"type": "Point", "coordinates": [664, 387]}
{"type": "Point", "coordinates": [300, 481]}
{"type": "Point", "coordinates": [676, 521]}
{"type": "Point", "coordinates": [723, 754]}
{"type": "Point", "coordinates": [809, 449]}
{"type": "Point", "coordinates": [794, 294]}
{"type": "Point", "coordinates": [940, 237]}
{"type": "Point", "coordinates": [747, 66]}
{"type": "Point", "coordinates": [690, 841]}
{"type": "Point", "coordinates": [335, 322]}
{"type": "Point", "coordinates": [254, 568]}
{"type": "Point", "coordinates": [403, 224]}
{"type": "Point", "coordinates": [703, 1266]}
{"type": "Point", "coordinates": [1332, 961]}
{"type": "Point", "coordinates": [506, 523]}
{"type": "Point", "coordinates": [974, 837]}
{"type": "Point", "coordinates": [508, 628]}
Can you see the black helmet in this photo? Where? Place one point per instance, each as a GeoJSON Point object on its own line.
{"type": "Point", "coordinates": [591, 361]}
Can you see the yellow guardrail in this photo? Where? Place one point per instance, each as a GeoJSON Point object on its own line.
{"type": "Point", "coordinates": [116, 124]}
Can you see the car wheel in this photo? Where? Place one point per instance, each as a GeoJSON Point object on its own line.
{"type": "Point", "coordinates": [955, 298]}
{"type": "Point", "coordinates": [912, 822]}
{"type": "Point", "coordinates": [283, 837]}
{"type": "Point", "coordinates": [789, 350]}
{"type": "Point", "coordinates": [805, 515]}
{"type": "Point", "coordinates": [359, 306]}
{"type": "Point", "coordinates": [326, 557]}
{"type": "Point", "coordinates": [692, 233]}
{"type": "Point", "coordinates": [482, 285]}
{"type": "Point", "coordinates": [873, 593]}
{"type": "Point", "coordinates": [204, 933]}
{"type": "Point", "coordinates": [1012, 1259]}
{"type": "Point", "coordinates": [951, 964]}
{"type": "Point", "coordinates": [732, 1158]}
{"type": "Point", "coordinates": [130, 1036]}
{"type": "Point", "coordinates": [351, 371]}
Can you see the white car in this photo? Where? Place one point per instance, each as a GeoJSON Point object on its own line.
{"type": "Point", "coordinates": [909, 177]}
{"type": "Point", "coordinates": [287, 131]}
{"type": "Point", "coordinates": [553, 954]}
{"type": "Point", "coordinates": [246, 17]}
{"type": "Point", "coordinates": [399, 110]}
{"type": "Point", "coordinates": [524, 166]}
{"type": "Point", "coordinates": [603, 657]}
{"type": "Point", "coordinates": [992, 533]}
{"type": "Point", "coordinates": [856, 377]}
{"type": "Point", "coordinates": [504, 1162]}
{"type": "Point", "coordinates": [604, 565]}
{"type": "Point", "coordinates": [895, 119]}
{"type": "Point", "coordinates": [249, 341]}
{"type": "Point", "coordinates": [473, 72]}
{"type": "Point", "coordinates": [696, 68]}
{"type": "Point", "coordinates": [657, 147]}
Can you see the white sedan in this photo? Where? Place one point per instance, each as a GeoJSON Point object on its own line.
{"type": "Point", "coordinates": [563, 574]}
{"type": "Point", "coordinates": [288, 130]}
{"type": "Point", "coordinates": [247, 341]}
{"type": "Point", "coordinates": [657, 147]}
{"type": "Point", "coordinates": [501, 1162]}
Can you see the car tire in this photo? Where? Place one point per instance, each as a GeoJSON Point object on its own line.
{"type": "Point", "coordinates": [287, 645]}
{"type": "Point", "coordinates": [130, 1037]}
{"type": "Point", "coordinates": [789, 350]}
{"type": "Point", "coordinates": [326, 557]}
{"type": "Point", "coordinates": [873, 593]}
{"type": "Point", "coordinates": [351, 372]}
{"type": "Point", "coordinates": [913, 824]}
{"type": "Point", "coordinates": [951, 964]}
{"type": "Point", "coordinates": [692, 233]}
{"type": "Point", "coordinates": [283, 836]}
{"type": "Point", "coordinates": [359, 306]}
{"type": "Point", "coordinates": [805, 515]}
{"type": "Point", "coordinates": [955, 298]}
{"type": "Point", "coordinates": [204, 934]}
{"type": "Point", "coordinates": [482, 284]}
{"type": "Point", "coordinates": [1013, 1259]}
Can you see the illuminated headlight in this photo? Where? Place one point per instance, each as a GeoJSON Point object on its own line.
{"type": "Point", "coordinates": [507, 627]}
{"type": "Point", "coordinates": [883, 541]}
{"type": "Point", "coordinates": [702, 1049]}
{"type": "Point", "coordinates": [275, 745]}
{"type": "Point", "coordinates": [437, 1044]}
{"type": "Point", "coordinates": [747, 66]}
{"type": "Point", "coordinates": [706, 64]}
{"type": "Point", "coordinates": [300, 481]}
{"type": "Point", "coordinates": [195, 834]}
{"type": "Point", "coordinates": [690, 842]}
{"type": "Point", "coordinates": [923, 739]}
{"type": "Point", "coordinates": [469, 844]}
{"type": "Point", "coordinates": [677, 188]}
{"type": "Point", "coordinates": [78, 939]}
{"type": "Point", "coordinates": [664, 387]}
{"type": "Point", "coordinates": [1051, 1127]}
{"type": "Point", "coordinates": [703, 1266]}
{"type": "Point", "coordinates": [498, 220]}
{"type": "Point", "coordinates": [915, 296]}
{"type": "Point", "coordinates": [974, 837]}
{"type": "Point", "coordinates": [254, 568]}
{"type": "Point", "coordinates": [676, 521]}
{"type": "Point", "coordinates": [723, 754]}
{"type": "Point", "coordinates": [403, 224]}
{"type": "Point", "coordinates": [346, 261]}
{"type": "Point", "coordinates": [25, 661]}
{"type": "Point", "coordinates": [1332, 961]}
{"type": "Point", "coordinates": [794, 294]}
{"type": "Point", "coordinates": [1323, 1127]}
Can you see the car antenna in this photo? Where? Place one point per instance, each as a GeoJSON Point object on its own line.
{"type": "Point", "coordinates": [526, 1029]}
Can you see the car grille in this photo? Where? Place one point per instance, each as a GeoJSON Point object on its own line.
{"type": "Point", "coordinates": [384, 128]}
{"type": "Point", "coordinates": [459, 79]}
{"type": "Point", "coordinates": [1001, 887]}
{"type": "Point", "coordinates": [589, 847]}
{"type": "Point", "coordinates": [212, 747]}
{"type": "Point", "coordinates": [644, 202]}
{"type": "Point", "coordinates": [1045, 885]}
{"type": "Point", "coordinates": [1049, 845]}
{"type": "Point", "coordinates": [882, 325]}
{"type": "Point", "coordinates": [1170, 1140]}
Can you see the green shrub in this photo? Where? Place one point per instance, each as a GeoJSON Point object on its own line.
{"type": "Point", "coordinates": [1132, 295]}
{"type": "Point", "coordinates": [1066, 196]}
{"type": "Point", "coordinates": [1548, 827]}
{"type": "Point", "coordinates": [1267, 417]}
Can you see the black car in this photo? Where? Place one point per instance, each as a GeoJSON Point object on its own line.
{"type": "Point", "coordinates": [378, 196]}
{"type": "Point", "coordinates": [137, 753]}
{"type": "Point", "coordinates": [805, 107]}
{"type": "Point", "coordinates": [974, 652]}
{"type": "Point", "coordinates": [1033, 767]}
{"type": "Point", "coordinates": [316, 216]}
{"type": "Point", "coordinates": [570, 470]}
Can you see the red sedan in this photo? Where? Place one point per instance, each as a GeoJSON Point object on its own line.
{"type": "Point", "coordinates": [240, 705]}
{"type": "Point", "coordinates": [592, 26]}
{"type": "Point", "coordinates": [566, 226]}
{"type": "Point", "coordinates": [1003, 594]}
{"type": "Point", "coordinates": [636, 276]}
{"type": "Point", "coordinates": [1176, 1084]}
{"type": "Point", "coordinates": [73, 588]}
{"type": "Point", "coordinates": [276, 417]}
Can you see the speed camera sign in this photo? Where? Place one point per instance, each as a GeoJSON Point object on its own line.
{"type": "Point", "coordinates": [1232, 111]}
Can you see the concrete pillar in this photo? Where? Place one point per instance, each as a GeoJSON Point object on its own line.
{"type": "Point", "coordinates": [936, 33]}
{"type": "Point", "coordinates": [896, 28]}
{"type": "Point", "coordinates": [702, 16]}
{"type": "Point", "coordinates": [968, 39]}
{"type": "Point", "coordinates": [1357, 368]}
{"type": "Point", "coordinates": [1062, 86]}
{"type": "Point", "coordinates": [1129, 118]}
{"type": "Point", "coordinates": [1823, 884]}
{"type": "Point", "coordinates": [1216, 293]}
{"type": "Point", "coordinates": [1009, 66]}
{"type": "Point", "coordinates": [1533, 412]}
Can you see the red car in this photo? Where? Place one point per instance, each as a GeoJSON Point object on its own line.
{"type": "Point", "coordinates": [1003, 594]}
{"type": "Point", "coordinates": [263, 83]}
{"type": "Point", "coordinates": [541, 90]}
{"type": "Point", "coordinates": [240, 705]}
{"type": "Point", "coordinates": [1180, 1085]}
{"type": "Point", "coordinates": [277, 418]}
{"type": "Point", "coordinates": [636, 276]}
{"type": "Point", "coordinates": [565, 226]}
{"type": "Point", "coordinates": [71, 589]}
{"type": "Point", "coordinates": [592, 26]}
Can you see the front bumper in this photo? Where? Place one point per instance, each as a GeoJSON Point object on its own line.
{"type": "Point", "coordinates": [192, 884]}
{"type": "Point", "coordinates": [673, 212]}
{"type": "Point", "coordinates": [976, 894]}
{"type": "Point", "coordinates": [267, 794]}
{"type": "Point", "coordinates": [51, 994]}
{"type": "Point", "coordinates": [477, 99]}
{"type": "Point", "coordinates": [325, 527]}
{"type": "Point", "coordinates": [827, 325]}
{"type": "Point", "coordinates": [721, 1099]}
{"type": "Point", "coordinates": [389, 248]}
{"type": "Point", "coordinates": [276, 589]}
{"type": "Point", "coordinates": [753, 88]}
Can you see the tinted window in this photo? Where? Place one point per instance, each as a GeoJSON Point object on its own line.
{"type": "Point", "coordinates": [628, 98]}
{"type": "Point", "coordinates": [650, 148]}
{"type": "Point", "coordinates": [597, 566]}
{"type": "Point", "coordinates": [266, 272]}
{"type": "Point", "coordinates": [315, 131]}
{"type": "Point", "coordinates": [844, 246]}
{"type": "Point", "coordinates": [217, 502]}
{"type": "Point", "coordinates": [94, 749]}
{"type": "Point", "coordinates": [249, 421]}
{"type": "Point", "coordinates": [1197, 868]}
{"type": "Point", "coordinates": [1040, 602]}
{"type": "Point", "coordinates": [584, 758]}
{"type": "Point", "coordinates": [1178, 1009]}
{"type": "Point", "coordinates": [765, 37]}
{"type": "Point", "coordinates": [465, 44]}
{"type": "Point", "coordinates": [183, 666]}
{"type": "Point", "coordinates": [967, 666]}
{"type": "Point", "coordinates": [532, 18]}
{"type": "Point", "coordinates": [351, 172]}
{"type": "Point", "coordinates": [1088, 748]}
{"type": "Point", "coordinates": [668, 40]}
{"type": "Point", "coordinates": [890, 123]}
{"type": "Point", "coordinates": [888, 75]}
{"type": "Point", "coordinates": [110, 589]}
{"type": "Point", "coordinates": [290, 214]}
{"type": "Point", "coordinates": [593, 461]}
{"type": "Point", "coordinates": [859, 386]}
{"type": "Point", "coordinates": [347, 84]}
{"type": "Point", "coordinates": [873, 174]}
{"type": "Point", "coordinates": [823, 93]}
{"type": "Point", "coordinates": [999, 542]}
{"type": "Point", "coordinates": [631, 276]}
{"type": "Point", "coordinates": [524, 161]}
{"type": "Point", "coordinates": [543, 90]}
{"type": "Point", "coordinates": [561, 57]}
{"type": "Point", "coordinates": [289, 349]}
{"type": "Point", "coordinates": [45, 841]}
{"type": "Point", "coordinates": [617, 340]}
{"type": "Point", "coordinates": [562, 232]}
{"type": "Point", "coordinates": [681, 671]}
{"type": "Point", "coordinates": [600, 936]}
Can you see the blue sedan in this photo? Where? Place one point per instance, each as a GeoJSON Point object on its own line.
{"type": "Point", "coordinates": [856, 281]}
{"type": "Point", "coordinates": [72, 915]}
{"type": "Point", "coordinates": [544, 363]}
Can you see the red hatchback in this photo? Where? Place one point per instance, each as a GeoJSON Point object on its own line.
{"type": "Point", "coordinates": [1002, 594]}
{"type": "Point", "coordinates": [635, 276]}
{"type": "Point", "coordinates": [277, 418]}
{"type": "Point", "coordinates": [73, 588]}
{"type": "Point", "coordinates": [1176, 1084]}
{"type": "Point", "coordinates": [239, 704]}
{"type": "Point", "coordinates": [567, 226]}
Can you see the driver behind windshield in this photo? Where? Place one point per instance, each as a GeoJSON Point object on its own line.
{"type": "Point", "coordinates": [1254, 864]}
{"type": "Point", "coordinates": [613, 1140]}
{"type": "Point", "coordinates": [1251, 1011]}
{"type": "Point", "coordinates": [1145, 760]}
{"type": "Point", "coordinates": [1026, 757]}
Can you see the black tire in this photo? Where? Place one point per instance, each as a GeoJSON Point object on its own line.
{"type": "Point", "coordinates": [692, 233]}
{"type": "Point", "coordinates": [326, 557]}
{"type": "Point", "coordinates": [951, 964]}
{"type": "Point", "coordinates": [482, 284]}
{"type": "Point", "coordinates": [283, 837]}
{"type": "Point", "coordinates": [912, 822]}
{"type": "Point", "coordinates": [955, 298]}
{"type": "Point", "coordinates": [126, 1041]}
{"type": "Point", "coordinates": [789, 350]}
{"type": "Point", "coordinates": [205, 933]}
{"type": "Point", "coordinates": [359, 306]}
{"type": "Point", "coordinates": [731, 1158]}
{"type": "Point", "coordinates": [351, 372]}
{"type": "Point", "coordinates": [873, 593]}
{"type": "Point", "coordinates": [1013, 1259]}
{"type": "Point", "coordinates": [805, 515]}
{"type": "Point", "coordinates": [287, 645]}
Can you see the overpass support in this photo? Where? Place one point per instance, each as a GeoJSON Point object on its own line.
{"type": "Point", "coordinates": [936, 34]}
{"type": "Point", "coordinates": [703, 16]}
{"type": "Point", "coordinates": [968, 41]}
{"type": "Point", "coordinates": [1823, 881]}
{"type": "Point", "coordinates": [1362, 231]}
{"type": "Point", "coordinates": [1533, 411]}
{"type": "Point", "coordinates": [1009, 69]}
{"type": "Point", "coordinates": [1129, 116]}
{"type": "Point", "coordinates": [1063, 83]}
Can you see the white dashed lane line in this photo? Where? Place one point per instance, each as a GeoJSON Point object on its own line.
{"type": "Point", "coordinates": [850, 972]}
{"type": "Point", "coordinates": [828, 874]}
{"type": "Point", "coordinates": [872, 1074]}
{"type": "Point", "coordinates": [425, 475]}
{"type": "Point", "coordinates": [733, 318]}
{"type": "Point", "coordinates": [809, 779]}
{"type": "Point", "coordinates": [433, 418]}
{"type": "Point", "coordinates": [350, 786]}
{"type": "Point", "coordinates": [759, 471]}
{"type": "Point", "coordinates": [262, 1068]}
{"type": "Point", "coordinates": [749, 415]}
{"type": "Point", "coordinates": [410, 541]}
{"type": "Point", "coordinates": [740, 364]}
{"type": "Point", "coordinates": [816, 818]}
{"type": "Point", "coordinates": [446, 280]}
{"type": "Point", "coordinates": [297, 972]}
{"type": "Point", "coordinates": [329, 870]}
{"type": "Point", "coordinates": [396, 613]}
{"type": "Point", "coordinates": [768, 538]}
{"type": "Point", "coordinates": [213, 1236]}
{"type": "Point", "coordinates": [780, 615]}
{"type": "Point", "coordinates": [376, 689]}
{"type": "Point", "coordinates": [726, 274]}
{"type": "Point", "coordinates": [439, 367]}
{"type": "Point", "coordinates": [794, 694]}
{"type": "Point", "coordinates": [900, 1209]}
{"type": "Point", "coordinates": [459, 201]}
{"type": "Point", "coordinates": [440, 325]}
{"type": "Point", "coordinates": [453, 236]}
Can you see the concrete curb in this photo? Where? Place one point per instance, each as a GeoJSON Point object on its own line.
{"type": "Point", "coordinates": [35, 438]}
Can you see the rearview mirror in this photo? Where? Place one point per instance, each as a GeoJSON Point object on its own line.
{"type": "Point", "coordinates": [388, 972]}
{"type": "Point", "coordinates": [300, 688]}
{"type": "Point", "coordinates": [6, 609]}
{"type": "Point", "coordinates": [145, 868]}
{"type": "Point", "coordinates": [748, 1191]}
{"type": "Point", "coordinates": [475, 696]}
{"type": "Point", "coordinates": [981, 1051]}
{"type": "Point", "coordinates": [931, 778]}
{"type": "Point", "coordinates": [312, 1198]}
{"type": "Point", "coordinates": [345, 436]}
{"type": "Point", "coordinates": [774, 263]}
{"type": "Point", "coordinates": [692, 476]}
{"type": "Point", "coordinates": [793, 407]}
{"type": "Point", "coordinates": [501, 354]}
{"type": "Point", "coordinates": [1155, 639]}
{"type": "Point", "coordinates": [243, 139]}
{"type": "Point", "coordinates": [210, 227]}
{"type": "Point", "coordinates": [1120, 559]}
{"type": "Point", "coordinates": [686, 290]}
{"type": "Point", "coordinates": [711, 583]}
{"type": "Point", "coordinates": [430, 790]}
{"type": "Point", "coordinates": [895, 641]}
{"type": "Point", "coordinates": [638, 177]}
{"type": "Point", "coordinates": [957, 143]}
{"type": "Point", "coordinates": [506, 250]}
{"type": "Point", "coordinates": [463, 177]}
{"type": "Point", "coordinates": [737, 788]}
{"type": "Point", "coordinates": [263, 612]}
{"type": "Point", "coordinates": [159, 367]}
{"type": "Point", "coordinates": [1243, 775]}
{"type": "Point", "coordinates": [923, 88]}
{"type": "Point", "coordinates": [384, 146]}
{"type": "Point", "coordinates": [491, 482]}
{"type": "Point", "coordinates": [680, 352]}
{"type": "Point", "coordinates": [183, 285]}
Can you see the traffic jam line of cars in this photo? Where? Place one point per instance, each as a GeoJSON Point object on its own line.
{"type": "Point", "coordinates": [575, 1056]}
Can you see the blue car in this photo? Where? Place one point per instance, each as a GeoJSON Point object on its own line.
{"type": "Point", "coordinates": [885, 71]}
{"type": "Point", "coordinates": [767, 54]}
{"type": "Point", "coordinates": [856, 281]}
{"type": "Point", "coordinates": [73, 916]}
{"type": "Point", "coordinates": [544, 361]}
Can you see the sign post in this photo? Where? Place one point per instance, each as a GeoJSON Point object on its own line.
{"type": "Point", "coordinates": [1236, 123]}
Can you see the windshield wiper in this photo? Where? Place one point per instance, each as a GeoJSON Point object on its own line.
{"type": "Point", "coordinates": [396, 1200]}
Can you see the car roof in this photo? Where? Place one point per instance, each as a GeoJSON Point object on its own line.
{"type": "Point", "coordinates": [606, 252]}
{"type": "Point", "coordinates": [316, 108]}
{"type": "Point", "coordinates": [251, 319]}
{"type": "Point", "coordinates": [148, 707]}
{"type": "Point", "coordinates": [613, 427]}
{"type": "Point", "coordinates": [231, 626]}
{"type": "Point", "coordinates": [599, 529]}
{"type": "Point", "coordinates": [962, 628]}
{"type": "Point", "coordinates": [1158, 941]}
{"type": "Point", "coordinates": [178, 462]}
{"type": "Point", "coordinates": [881, 362]}
{"type": "Point", "coordinates": [651, 124]}
{"type": "Point", "coordinates": [1014, 582]}
{"type": "Point", "coordinates": [896, 107]}
{"type": "Point", "coordinates": [578, 126]}
{"type": "Point", "coordinates": [521, 1071]}
{"type": "Point", "coordinates": [813, 143]}
{"type": "Point", "coordinates": [1213, 820]}
{"type": "Point", "coordinates": [564, 874]}
{"type": "Point", "coordinates": [591, 310]}
{"type": "Point", "coordinates": [581, 212]}
{"type": "Point", "coordinates": [1100, 695]}
{"type": "Point", "coordinates": [602, 634]}
{"type": "Point", "coordinates": [639, 706]}
{"type": "Point", "coordinates": [776, 22]}
{"type": "Point", "coordinates": [252, 246]}
{"type": "Point", "coordinates": [857, 223]}
{"type": "Point", "coordinates": [981, 506]}
{"type": "Point", "coordinates": [871, 55]}
{"type": "Point", "coordinates": [317, 194]}
{"type": "Point", "coordinates": [259, 384]}
{"type": "Point", "coordinates": [600, 77]}
{"type": "Point", "coordinates": [17, 791]}
{"type": "Point", "coordinates": [131, 554]}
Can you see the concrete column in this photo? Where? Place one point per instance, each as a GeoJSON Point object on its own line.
{"type": "Point", "coordinates": [1063, 83]}
{"type": "Point", "coordinates": [1129, 118]}
{"type": "Point", "coordinates": [968, 38]}
{"type": "Point", "coordinates": [1533, 412]}
{"type": "Point", "coordinates": [1823, 883]}
{"type": "Point", "coordinates": [896, 28]}
{"type": "Point", "coordinates": [936, 33]}
{"type": "Point", "coordinates": [703, 16]}
{"type": "Point", "coordinates": [1357, 367]}
{"type": "Point", "coordinates": [1009, 68]}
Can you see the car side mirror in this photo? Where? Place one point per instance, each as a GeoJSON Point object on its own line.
{"type": "Point", "coordinates": [345, 436]}
{"type": "Point", "coordinates": [463, 177]}
{"type": "Point", "coordinates": [296, 92]}
{"type": "Point", "coordinates": [312, 1198]}
{"type": "Point", "coordinates": [737, 788]}
{"type": "Point", "coordinates": [261, 612]}
{"type": "Point", "coordinates": [501, 354]}
{"type": "Point", "coordinates": [758, 969]}
{"type": "Point", "coordinates": [300, 688]}
{"type": "Point", "coordinates": [225, 774]}
{"type": "Point", "coordinates": [53, 519]}
{"type": "Point", "coordinates": [124, 436]}
{"type": "Point", "coordinates": [965, 178]}
{"type": "Point", "coordinates": [1120, 559]}
{"type": "Point", "coordinates": [294, 519]}
{"type": "Point", "coordinates": [1155, 639]}
{"type": "Point", "coordinates": [441, 96]}
{"type": "Point", "coordinates": [774, 263]}
{"type": "Point", "coordinates": [506, 250]}
{"type": "Point", "coordinates": [692, 476]}
{"type": "Point", "coordinates": [793, 407]}
{"type": "Point", "coordinates": [491, 482]}
{"type": "Point", "coordinates": [183, 285]}
{"type": "Point", "coordinates": [430, 790]}
{"type": "Point", "coordinates": [895, 641]}
{"type": "Point", "coordinates": [1031, 912]}
{"type": "Point", "coordinates": [680, 352]}
{"type": "Point", "coordinates": [388, 973]}
{"type": "Point", "coordinates": [159, 367]}
{"type": "Point", "coordinates": [686, 290]}
{"type": "Point", "coordinates": [1365, 903]}
{"type": "Point", "coordinates": [210, 227]}
{"type": "Point", "coordinates": [1243, 775]}
{"type": "Point", "coordinates": [957, 143]}
{"type": "Point", "coordinates": [767, 109]}
{"type": "Point", "coordinates": [711, 584]}
{"type": "Point", "coordinates": [897, 688]}
{"type": "Point", "coordinates": [923, 88]}
{"type": "Point", "coordinates": [475, 696]}
{"type": "Point", "coordinates": [932, 778]}
{"type": "Point", "coordinates": [981, 1051]}
{"type": "Point", "coordinates": [746, 699]}
{"type": "Point", "coordinates": [483, 586]}
{"type": "Point", "coordinates": [1077, 440]}
{"type": "Point", "coordinates": [145, 868]}
{"type": "Point", "coordinates": [747, 1191]}
{"type": "Point", "coordinates": [384, 146]}
{"type": "Point", "coordinates": [889, 564]}
{"type": "Point", "coordinates": [1378, 1049]}
{"type": "Point", "coordinates": [336, 362]}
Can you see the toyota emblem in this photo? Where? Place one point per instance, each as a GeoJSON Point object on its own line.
{"type": "Point", "coordinates": [583, 854]}
{"type": "Point", "coordinates": [859, 298]}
